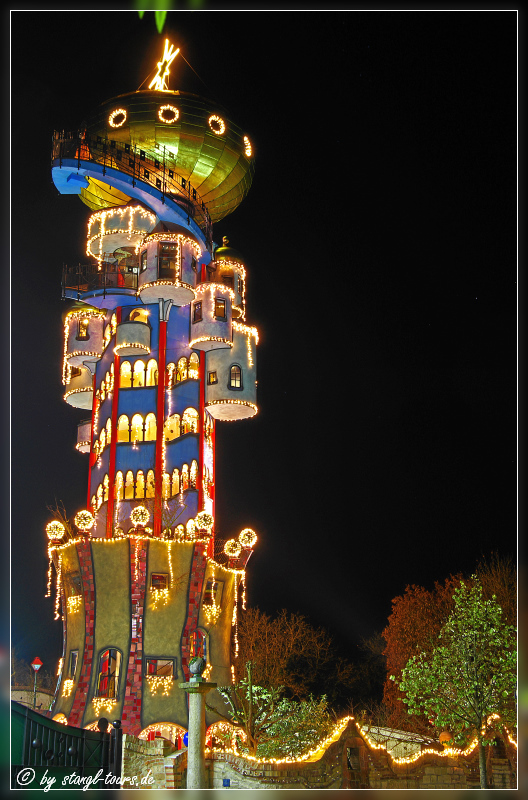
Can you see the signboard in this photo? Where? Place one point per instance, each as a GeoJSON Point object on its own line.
{"type": "Point", "coordinates": [36, 664]}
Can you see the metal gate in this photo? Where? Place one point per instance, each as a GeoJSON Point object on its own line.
{"type": "Point", "coordinates": [47, 754]}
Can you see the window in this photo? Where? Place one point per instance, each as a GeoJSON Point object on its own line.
{"type": "Point", "coordinates": [165, 486]}
{"type": "Point", "coordinates": [220, 308]}
{"type": "Point", "coordinates": [82, 329]}
{"type": "Point", "coordinates": [123, 429]}
{"type": "Point", "coordinates": [167, 261]}
{"type": "Point", "coordinates": [105, 488]}
{"type": "Point", "coordinates": [159, 580]}
{"type": "Point", "coordinates": [136, 431]}
{"type": "Point", "coordinates": [151, 486]}
{"type": "Point", "coordinates": [198, 644]}
{"type": "Point", "coordinates": [139, 315]}
{"type": "Point", "coordinates": [72, 666]}
{"type": "Point", "coordinates": [129, 486]}
{"type": "Point", "coordinates": [189, 421]}
{"type": "Point", "coordinates": [193, 474]}
{"type": "Point", "coordinates": [175, 482]}
{"type": "Point", "coordinates": [235, 377]}
{"type": "Point", "coordinates": [150, 428]}
{"type": "Point", "coordinates": [73, 584]}
{"type": "Point", "coordinates": [172, 427]}
{"type": "Point", "coordinates": [108, 678]}
{"type": "Point", "coordinates": [164, 667]}
{"type": "Point", "coordinates": [143, 261]}
{"type": "Point", "coordinates": [197, 312]}
{"type": "Point", "coordinates": [185, 478]}
{"type": "Point", "coordinates": [125, 372]}
{"type": "Point", "coordinates": [181, 370]}
{"type": "Point", "coordinates": [140, 485]}
{"type": "Point", "coordinates": [139, 374]}
{"type": "Point", "coordinates": [213, 592]}
{"type": "Point", "coordinates": [119, 486]}
{"type": "Point", "coordinates": [212, 377]}
{"type": "Point", "coordinates": [194, 366]}
{"type": "Point", "coordinates": [152, 373]}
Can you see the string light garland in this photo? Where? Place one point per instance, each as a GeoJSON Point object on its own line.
{"type": "Point", "coordinates": [217, 124]}
{"type": "Point", "coordinates": [74, 603]}
{"type": "Point", "coordinates": [136, 215]}
{"type": "Point", "coordinates": [117, 118]}
{"type": "Point", "coordinates": [156, 682]}
{"type": "Point", "coordinates": [84, 520]}
{"type": "Point", "coordinates": [247, 147]}
{"type": "Point", "coordinates": [67, 687]}
{"type": "Point", "coordinates": [106, 703]}
{"type": "Point", "coordinates": [163, 116]}
{"type": "Point", "coordinates": [140, 516]}
{"type": "Point", "coordinates": [232, 548]}
{"type": "Point", "coordinates": [55, 529]}
{"type": "Point", "coordinates": [247, 537]}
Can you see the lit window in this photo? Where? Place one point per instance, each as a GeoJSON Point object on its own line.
{"type": "Point", "coordinates": [151, 486]}
{"type": "Point", "coordinates": [181, 370]}
{"type": "Point", "coordinates": [175, 482]}
{"type": "Point", "coordinates": [139, 374]}
{"type": "Point", "coordinates": [193, 475]}
{"type": "Point", "coordinates": [185, 478]}
{"type": "Point", "coordinates": [140, 485]}
{"type": "Point", "coordinates": [108, 678]}
{"type": "Point", "coordinates": [167, 261]}
{"type": "Point", "coordinates": [198, 644]}
{"type": "Point", "coordinates": [150, 428]}
{"type": "Point", "coordinates": [72, 666]}
{"type": "Point", "coordinates": [129, 486]}
{"type": "Point", "coordinates": [194, 366]}
{"type": "Point", "coordinates": [165, 486]}
{"type": "Point", "coordinates": [164, 667]}
{"type": "Point", "coordinates": [119, 486]}
{"type": "Point", "coordinates": [172, 427]}
{"type": "Point", "coordinates": [143, 261]}
{"type": "Point", "coordinates": [82, 329]}
{"type": "Point", "coordinates": [123, 430]}
{"type": "Point", "coordinates": [189, 421]}
{"type": "Point", "coordinates": [220, 308]}
{"type": "Point", "coordinates": [139, 315]}
{"type": "Point", "coordinates": [212, 377]}
{"type": "Point", "coordinates": [235, 377]}
{"type": "Point", "coordinates": [136, 431]}
{"type": "Point", "coordinates": [212, 593]}
{"type": "Point", "coordinates": [197, 312]}
{"type": "Point", "coordinates": [152, 373]}
{"type": "Point", "coordinates": [159, 580]}
{"type": "Point", "coordinates": [125, 372]}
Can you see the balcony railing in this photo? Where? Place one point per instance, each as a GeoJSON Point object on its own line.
{"type": "Point", "coordinates": [157, 169]}
{"type": "Point", "coordinates": [91, 277]}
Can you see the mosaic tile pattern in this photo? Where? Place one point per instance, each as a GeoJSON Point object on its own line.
{"type": "Point", "coordinates": [87, 577]}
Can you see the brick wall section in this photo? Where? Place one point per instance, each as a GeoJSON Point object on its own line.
{"type": "Point", "coordinates": [87, 577]}
{"type": "Point", "coordinates": [199, 563]}
{"type": "Point", "coordinates": [142, 761]}
{"type": "Point", "coordinates": [131, 717]}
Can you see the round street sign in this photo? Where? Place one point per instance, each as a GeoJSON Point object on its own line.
{"type": "Point", "coordinates": [36, 664]}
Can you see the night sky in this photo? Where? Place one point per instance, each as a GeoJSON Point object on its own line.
{"type": "Point", "coordinates": [380, 241]}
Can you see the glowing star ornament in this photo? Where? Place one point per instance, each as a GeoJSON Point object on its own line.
{"type": "Point", "coordinates": [159, 82]}
{"type": "Point", "coordinates": [247, 537]}
{"type": "Point", "coordinates": [55, 530]}
{"type": "Point", "coordinates": [140, 516]}
{"type": "Point", "coordinates": [232, 548]}
{"type": "Point", "coordinates": [84, 521]}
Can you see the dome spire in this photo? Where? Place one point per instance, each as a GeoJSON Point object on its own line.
{"type": "Point", "coordinates": [159, 82]}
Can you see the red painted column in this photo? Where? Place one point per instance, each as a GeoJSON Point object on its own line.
{"type": "Point", "coordinates": [92, 458]}
{"type": "Point", "coordinates": [160, 419]}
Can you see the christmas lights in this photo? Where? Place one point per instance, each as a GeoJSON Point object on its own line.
{"type": "Point", "coordinates": [247, 147]}
{"type": "Point", "coordinates": [156, 682]}
{"type": "Point", "coordinates": [117, 118]}
{"type": "Point", "coordinates": [159, 82]}
{"type": "Point", "coordinates": [67, 687]}
{"type": "Point", "coordinates": [106, 703]}
{"type": "Point", "coordinates": [232, 548]}
{"type": "Point", "coordinates": [168, 114]}
{"type": "Point", "coordinates": [140, 516]}
{"type": "Point", "coordinates": [216, 124]}
{"type": "Point", "coordinates": [247, 537]}
{"type": "Point", "coordinates": [55, 529]}
{"type": "Point", "coordinates": [74, 603]}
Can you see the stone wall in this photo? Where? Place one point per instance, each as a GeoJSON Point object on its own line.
{"type": "Point", "coordinates": [348, 763]}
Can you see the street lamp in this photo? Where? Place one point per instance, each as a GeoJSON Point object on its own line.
{"type": "Point", "coordinates": [36, 664]}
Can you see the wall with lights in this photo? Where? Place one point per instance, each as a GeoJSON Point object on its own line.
{"type": "Point", "coordinates": [156, 349]}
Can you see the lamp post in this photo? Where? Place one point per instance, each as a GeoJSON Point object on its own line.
{"type": "Point", "coordinates": [36, 664]}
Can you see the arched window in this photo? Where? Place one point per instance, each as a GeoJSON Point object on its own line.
{"type": "Point", "coordinates": [151, 488]}
{"type": "Point", "coordinates": [194, 366]}
{"type": "Point", "coordinates": [189, 421]}
{"type": "Point", "coordinates": [107, 335]}
{"type": "Point", "coordinates": [165, 486]}
{"type": "Point", "coordinates": [108, 430]}
{"type": "Point", "coordinates": [172, 427]}
{"type": "Point", "coordinates": [111, 384]}
{"type": "Point", "coordinates": [119, 486]}
{"type": "Point", "coordinates": [150, 428]}
{"type": "Point", "coordinates": [129, 486]}
{"type": "Point", "coordinates": [123, 429]}
{"type": "Point", "coordinates": [105, 488]}
{"type": "Point", "coordinates": [170, 372]}
{"type": "Point", "coordinates": [99, 496]}
{"type": "Point", "coordinates": [82, 329]}
{"type": "Point", "coordinates": [113, 323]}
{"type": "Point", "coordinates": [125, 372]}
{"type": "Point", "coordinates": [193, 474]}
{"type": "Point", "coordinates": [198, 644]}
{"type": "Point", "coordinates": [102, 440]}
{"type": "Point", "coordinates": [138, 315]}
{"type": "Point", "coordinates": [140, 485]}
{"type": "Point", "coordinates": [136, 428]}
{"type": "Point", "coordinates": [108, 677]}
{"type": "Point", "coordinates": [181, 370]}
{"type": "Point", "coordinates": [235, 377]}
{"type": "Point", "coordinates": [152, 373]}
{"type": "Point", "coordinates": [175, 482]}
{"type": "Point", "coordinates": [185, 477]}
{"type": "Point", "coordinates": [93, 503]}
{"type": "Point", "coordinates": [138, 379]}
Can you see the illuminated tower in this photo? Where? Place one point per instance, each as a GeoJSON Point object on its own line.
{"type": "Point", "coordinates": [157, 349]}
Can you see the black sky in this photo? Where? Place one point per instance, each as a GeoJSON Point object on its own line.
{"type": "Point", "coordinates": [380, 239]}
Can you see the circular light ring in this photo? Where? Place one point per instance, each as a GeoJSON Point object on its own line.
{"type": "Point", "coordinates": [140, 515]}
{"type": "Point", "coordinates": [232, 548]}
{"type": "Point", "coordinates": [247, 537]}
{"type": "Point", "coordinates": [204, 521]}
{"type": "Point", "coordinates": [217, 124]}
{"type": "Point", "coordinates": [84, 520]}
{"type": "Point", "coordinates": [248, 150]}
{"type": "Point", "coordinates": [168, 114]}
{"type": "Point", "coordinates": [55, 529]}
{"type": "Point", "coordinates": [117, 118]}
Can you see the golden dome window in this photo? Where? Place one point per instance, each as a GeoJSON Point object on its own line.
{"type": "Point", "coordinates": [168, 114]}
{"type": "Point", "coordinates": [216, 124]}
{"type": "Point", "coordinates": [117, 118]}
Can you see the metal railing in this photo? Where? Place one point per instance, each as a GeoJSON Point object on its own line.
{"type": "Point", "coordinates": [157, 169]}
{"type": "Point", "coordinates": [48, 747]}
{"type": "Point", "coordinates": [91, 277]}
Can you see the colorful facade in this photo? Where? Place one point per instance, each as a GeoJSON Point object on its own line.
{"type": "Point", "coordinates": [157, 349]}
